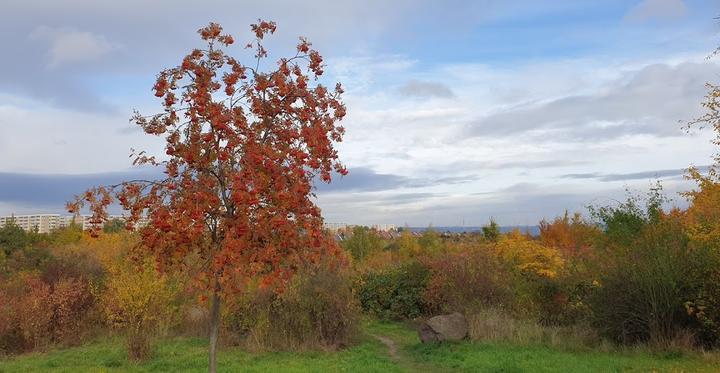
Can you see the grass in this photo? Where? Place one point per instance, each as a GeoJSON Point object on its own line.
{"type": "Point", "coordinates": [369, 355]}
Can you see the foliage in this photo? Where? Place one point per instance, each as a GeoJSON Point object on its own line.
{"type": "Point", "coordinates": [14, 238]}
{"type": "Point", "coordinates": [702, 224]}
{"type": "Point", "coordinates": [703, 214]}
{"type": "Point", "coordinates": [244, 148]}
{"type": "Point", "coordinates": [464, 279]}
{"type": "Point", "coordinates": [625, 221]}
{"type": "Point", "coordinates": [430, 241]}
{"type": "Point", "coordinates": [36, 313]}
{"type": "Point", "coordinates": [644, 277]}
{"type": "Point", "coordinates": [114, 226]}
{"type": "Point", "coordinates": [572, 236]}
{"type": "Point", "coordinates": [318, 310]}
{"type": "Point", "coordinates": [407, 245]}
{"type": "Point", "coordinates": [362, 243]}
{"type": "Point", "coordinates": [394, 293]}
{"type": "Point", "coordinates": [529, 257]}
{"type": "Point", "coordinates": [139, 301]}
{"type": "Point", "coordinates": [491, 231]}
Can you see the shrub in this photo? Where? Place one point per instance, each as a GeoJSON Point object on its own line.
{"type": "Point", "coordinates": [317, 310]}
{"type": "Point", "coordinates": [407, 245]}
{"type": "Point", "coordinates": [34, 313]}
{"type": "Point", "coordinates": [702, 222]}
{"type": "Point", "coordinates": [362, 243]}
{"type": "Point", "coordinates": [395, 293]}
{"type": "Point", "coordinates": [645, 276]}
{"type": "Point", "coordinates": [140, 301]}
{"type": "Point", "coordinates": [430, 241]}
{"type": "Point", "coordinates": [572, 236]}
{"type": "Point", "coordinates": [536, 275]}
{"type": "Point", "coordinates": [72, 303]}
{"type": "Point", "coordinates": [466, 278]}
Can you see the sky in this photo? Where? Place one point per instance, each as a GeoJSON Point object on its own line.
{"type": "Point", "coordinates": [458, 111]}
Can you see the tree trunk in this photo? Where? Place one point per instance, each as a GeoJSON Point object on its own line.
{"type": "Point", "coordinates": [214, 328]}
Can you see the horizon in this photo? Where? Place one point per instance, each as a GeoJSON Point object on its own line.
{"type": "Point", "coordinates": [456, 113]}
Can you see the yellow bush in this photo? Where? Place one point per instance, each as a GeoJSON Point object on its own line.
{"type": "Point", "coordinates": [140, 301]}
{"type": "Point", "coordinates": [529, 256]}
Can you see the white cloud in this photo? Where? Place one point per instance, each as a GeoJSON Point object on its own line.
{"type": "Point", "coordinates": [67, 46]}
{"type": "Point", "coordinates": [650, 101]}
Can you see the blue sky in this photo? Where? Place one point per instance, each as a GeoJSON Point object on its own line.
{"type": "Point", "coordinates": [457, 110]}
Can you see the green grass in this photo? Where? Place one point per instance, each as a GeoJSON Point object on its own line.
{"type": "Point", "coordinates": [369, 355]}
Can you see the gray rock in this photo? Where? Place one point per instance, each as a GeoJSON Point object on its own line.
{"type": "Point", "coordinates": [453, 327]}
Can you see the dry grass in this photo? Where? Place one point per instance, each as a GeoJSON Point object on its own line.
{"type": "Point", "coordinates": [494, 325]}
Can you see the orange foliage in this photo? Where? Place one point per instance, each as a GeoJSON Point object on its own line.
{"type": "Point", "coordinates": [703, 215]}
{"type": "Point", "coordinates": [244, 148]}
{"type": "Point", "coordinates": [571, 236]}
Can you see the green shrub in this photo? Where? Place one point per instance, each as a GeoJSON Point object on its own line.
{"type": "Point", "coordinates": [646, 274]}
{"type": "Point", "coordinates": [395, 293]}
{"type": "Point", "coordinates": [362, 243]}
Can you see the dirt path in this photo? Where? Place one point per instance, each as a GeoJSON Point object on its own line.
{"type": "Point", "coordinates": [404, 362]}
{"type": "Point", "coordinates": [391, 346]}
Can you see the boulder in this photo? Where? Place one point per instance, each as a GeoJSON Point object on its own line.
{"type": "Point", "coordinates": [453, 327]}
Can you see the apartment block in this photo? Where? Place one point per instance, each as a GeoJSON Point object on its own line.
{"type": "Point", "coordinates": [46, 223]}
{"type": "Point", "coordinates": [42, 223]}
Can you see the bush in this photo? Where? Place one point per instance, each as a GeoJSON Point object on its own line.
{"type": "Point", "coordinates": [395, 293]}
{"type": "Point", "coordinates": [362, 243]}
{"type": "Point", "coordinates": [35, 313]}
{"type": "Point", "coordinates": [466, 278]}
{"type": "Point", "coordinates": [702, 222]}
{"type": "Point", "coordinates": [139, 301]}
{"type": "Point", "coordinates": [317, 310]}
{"type": "Point", "coordinates": [646, 274]}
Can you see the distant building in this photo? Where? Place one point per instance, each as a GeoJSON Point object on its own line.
{"type": "Point", "coordinates": [335, 227]}
{"type": "Point", "coordinates": [383, 227]}
{"type": "Point", "coordinates": [42, 223]}
{"type": "Point", "coordinates": [46, 223]}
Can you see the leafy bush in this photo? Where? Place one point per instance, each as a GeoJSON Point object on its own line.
{"type": "Point", "coordinates": [395, 293]}
{"type": "Point", "coordinates": [702, 222]}
{"type": "Point", "coordinates": [466, 278]}
{"type": "Point", "coordinates": [647, 272]}
{"type": "Point", "coordinates": [139, 301]}
{"type": "Point", "coordinates": [572, 236]}
{"type": "Point", "coordinates": [317, 310]}
{"type": "Point", "coordinates": [35, 313]}
{"type": "Point", "coordinates": [363, 242]}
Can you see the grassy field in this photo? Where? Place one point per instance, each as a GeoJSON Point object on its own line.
{"type": "Point", "coordinates": [386, 347]}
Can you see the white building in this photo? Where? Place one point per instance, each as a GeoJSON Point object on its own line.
{"type": "Point", "coordinates": [334, 227]}
{"type": "Point", "coordinates": [42, 223]}
{"type": "Point", "coordinates": [46, 223]}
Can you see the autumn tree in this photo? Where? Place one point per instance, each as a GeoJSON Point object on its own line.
{"type": "Point", "coordinates": [243, 149]}
{"type": "Point", "coordinates": [573, 236]}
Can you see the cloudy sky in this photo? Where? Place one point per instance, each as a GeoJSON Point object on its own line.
{"type": "Point", "coordinates": [457, 110]}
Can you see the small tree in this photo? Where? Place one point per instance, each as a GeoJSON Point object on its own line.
{"type": "Point", "coordinates": [491, 232]}
{"type": "Point", "coordinates": [243, 149]}
{"type": "Point", "coordinates": [362, 243]}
